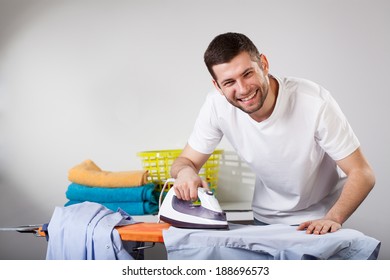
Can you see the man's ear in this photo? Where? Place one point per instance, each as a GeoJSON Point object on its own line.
{"type": "Point", "coordinates": [216, 85]}
{"type": "Point", "coordinates": [264, 63]}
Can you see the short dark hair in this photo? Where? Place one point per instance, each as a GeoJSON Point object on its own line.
{"type": "Point", "coordinates": [225, 47]}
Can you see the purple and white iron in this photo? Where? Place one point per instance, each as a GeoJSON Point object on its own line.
{"type": "Point", "coordinates": [185, 214]}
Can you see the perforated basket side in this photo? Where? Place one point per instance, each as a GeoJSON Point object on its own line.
{"type": "Point", "coordinates": [210, 170]}
{"type": "Point", "coordinates": [158, 163]}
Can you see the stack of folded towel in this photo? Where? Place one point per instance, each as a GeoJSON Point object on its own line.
{"type": "Point", "coordinates": [127, 190]}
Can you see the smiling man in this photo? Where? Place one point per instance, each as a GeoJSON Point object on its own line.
{"type": "Point", "coordinates": [309, 167]}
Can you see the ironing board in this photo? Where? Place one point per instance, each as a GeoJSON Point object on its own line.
{"type": "Point", "coordinates": [143, 232]}
{"type": "Point", "coordinates": [151, 232]}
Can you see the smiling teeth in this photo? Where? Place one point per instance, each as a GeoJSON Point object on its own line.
{"type": "Point", "coordinates": [249, 97]}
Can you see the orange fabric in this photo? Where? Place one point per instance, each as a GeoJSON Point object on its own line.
{"type": "Point", "coordinates": [145, 232]}
{"type": "Point", "coordinates": [89, 174]}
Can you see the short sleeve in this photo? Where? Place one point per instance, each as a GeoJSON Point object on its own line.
{"type": "Point", "coordinates": [206, 134]}
{"type": "Point", "coordinates": [334, 134]}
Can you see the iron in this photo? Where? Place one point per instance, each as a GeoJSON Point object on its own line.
{"type": "Point", "coordinates": [186, 214]}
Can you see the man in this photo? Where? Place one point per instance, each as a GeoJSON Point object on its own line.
{"type": "Point", "coordinates": [290, 131]}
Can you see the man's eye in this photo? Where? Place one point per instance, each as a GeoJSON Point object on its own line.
{"type": "Point", "coordinates": [228, 84]}
{"type": "Point", "coordinates": [248, 74]}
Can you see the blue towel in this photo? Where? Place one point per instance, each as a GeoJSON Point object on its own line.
{"type": "Point", "coordinates": [132, 208]}
{"type": "Point", "coordinates": [100, 194]}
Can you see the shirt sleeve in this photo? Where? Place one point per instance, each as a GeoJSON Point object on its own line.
{"type": "Point", "coordinates": [206, 134]}
{"type": "Point", "coordinates": [334, 133]}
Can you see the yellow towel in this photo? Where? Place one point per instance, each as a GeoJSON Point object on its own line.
{"type": "Point", "coordinates": [89, 174]}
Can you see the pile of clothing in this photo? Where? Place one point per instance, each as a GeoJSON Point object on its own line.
{"type": "Point", "coordinates": [125, 190]}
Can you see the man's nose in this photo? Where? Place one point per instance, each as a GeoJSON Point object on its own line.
{"type": "Point", "coordinates": [242, 87]}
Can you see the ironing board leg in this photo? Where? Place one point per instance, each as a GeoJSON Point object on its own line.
{"type": "Point", "coordinates": [136, 248]}
{"type": "Point", "coordinates": [139, 250]}
{"type": "Point", "coordinates": [144, 247]}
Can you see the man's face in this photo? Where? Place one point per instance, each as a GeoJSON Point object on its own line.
{"type": "Point", "coordinates": [243, 82]}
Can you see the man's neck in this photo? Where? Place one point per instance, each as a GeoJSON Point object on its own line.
{"type": "Point", "coordinates": [270, 101]}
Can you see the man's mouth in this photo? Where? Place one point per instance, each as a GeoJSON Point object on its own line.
{"type": "Point", "coordinates": [246, 99]}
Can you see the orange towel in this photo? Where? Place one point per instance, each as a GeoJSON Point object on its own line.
{"type": "Point", "coordinates": [89, 174]}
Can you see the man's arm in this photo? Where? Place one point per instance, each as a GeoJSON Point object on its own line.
{"type": "Point", "coordinates": [185, 170]}
{"type": "Point", "coordinates": [359, 183]}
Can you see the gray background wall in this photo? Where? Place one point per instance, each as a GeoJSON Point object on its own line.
{"type": "Point", "coordinates": [103, 80]}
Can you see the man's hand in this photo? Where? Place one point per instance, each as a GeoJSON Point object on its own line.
{"type": "Point", "coordinates": [187, 183]}
{"type": "Point", "coordinates": [185, 170]}
{"type": "Point", "coordinates": [321, 226]}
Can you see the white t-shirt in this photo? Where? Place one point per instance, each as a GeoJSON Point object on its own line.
{"type": "Point", "coordinates": [292, 153]}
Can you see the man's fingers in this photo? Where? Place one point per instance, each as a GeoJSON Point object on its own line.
{"type": "Point", "coordinates": [189, 190]}
{"type": "Point", "coordinates": [186, 191]}
{"type": "Point", "coordinates": [317, 229]}
{"type": "Point", "coordinates": [319, 226]}
{"type": "Point", "coordinates": [335, 227]}
{"type": "Point", "coordinates": [325, 229]}
{"type": "Point", "coordinates": [205, 185]}
{"type": "Point", "coordinates": [182, 191]}
{"type": "Point", "coordinates": [194, 193]}
{"type": "Point", "coordinates": [303, 226]}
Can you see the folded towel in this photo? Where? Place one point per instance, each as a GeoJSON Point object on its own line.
{"type": "Point", "coordinates": [100, 194]}
{"type": "Point", "coordinates": [89, 174]}
{"type": "Point", "coordinates": [132, 208]}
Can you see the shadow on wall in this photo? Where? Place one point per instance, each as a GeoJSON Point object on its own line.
{"type": "Point", "coordinates": [16, 245]}
{"type": "Point", "coordinates": [236, 181]}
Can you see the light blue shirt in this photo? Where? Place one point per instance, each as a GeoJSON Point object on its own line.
{"type": "Point", "coordinates": [85, 231]}
{"type": "Point", "coordinates": [270, 242]}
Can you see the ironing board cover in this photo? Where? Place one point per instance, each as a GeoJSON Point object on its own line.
{"type": "Point", "coordinates": [145, 232]}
